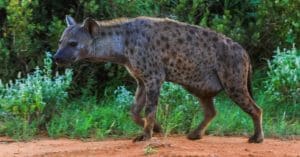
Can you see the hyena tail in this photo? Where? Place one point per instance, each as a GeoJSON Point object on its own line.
{"type": "Point", "coordinates": [249, 81]}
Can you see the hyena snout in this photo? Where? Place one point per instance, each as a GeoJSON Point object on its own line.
{"type": "Point", "coordinates": [61, 59]}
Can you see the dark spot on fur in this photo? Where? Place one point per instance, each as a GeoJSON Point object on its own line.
{"type": "Point", "coordinates": [205, 33]}
{"type": "Point", "coordinates": [158, 42]}
{"type": "Point", "coordinates": [167, 46]}
{"type": "Point", "coordinates": [180, 41]}
{"type": "Point", "coordinates": [109, 33]}
{"type": "Point", "coordinates": [126, 42]}
{"type": "Point", "coordinates": [228, 41]}
{"type": "Point", "coordinates": [144, 34]}
{"type": "Point", "coordinates": [165, 60]}
{"type": "Point", "coordinates": [157, 81]}
{"type": "Point", "coordinates": [144, 60]}
{"type": "Point", "coordinates": [148, 25]}
{"type": "Point", "coordinates": [214, 45]}
{"type": "Point", "coordinates": [103, 34]}
{"type": "Point", "coordinates": [231, 89]}
{"type": "Point", "coordinates": [225, 75]}
{"type": "Point", "coordinates": [152, 47]}
{"type": "Point", "coordinates": [215, 39]}
{"type": "Point", "coordinates": [188, 38]}
{"type": "Point", "coordinates": [192, 31]}
{"type": "Point", "coordinates": [163, 38]}
{"type": "Point", "coordinates": [178, 31]}
{"type": "Point", "coordinates": [236, 47]}
{"type": "Point", "coordinates": [235, 95]}
{"type": "Point", "coordinates": [142, 22]}
{"type": "Point", "coordinates": [131, 51]}
{"type": "Point", "coordinates": [179, 61]}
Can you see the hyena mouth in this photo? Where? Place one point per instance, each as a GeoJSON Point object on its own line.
{"type": "Point", "coordinates": [62, 62]}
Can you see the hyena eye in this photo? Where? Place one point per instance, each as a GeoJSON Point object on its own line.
{"type": "Point", "coordinates": [73, 43]}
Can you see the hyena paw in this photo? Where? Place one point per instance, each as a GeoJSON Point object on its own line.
{"type": "Point", "coordinates": [194, 136]}
{"type": "Point", "coordinates": [256, 139]}
{"type": "Point", "coordinates": [142, 137]}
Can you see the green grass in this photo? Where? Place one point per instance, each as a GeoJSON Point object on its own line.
{"type": "Point", "coordinates": [89, 118]}
{"type": "Point", "coordinates": [178, 112]}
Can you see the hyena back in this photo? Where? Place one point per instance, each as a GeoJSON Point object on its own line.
{"type": "Point", "coordinates": [156, 50]}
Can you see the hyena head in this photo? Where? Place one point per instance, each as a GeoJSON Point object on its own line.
{"type": "Point", "coordinates": [76, 41]}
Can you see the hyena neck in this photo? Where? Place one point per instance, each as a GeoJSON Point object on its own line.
{"type": "Point", "coordinates": [108, 46]}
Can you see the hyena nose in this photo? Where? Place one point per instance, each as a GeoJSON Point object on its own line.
{"type": "Point", "coordinates": [58, 59]}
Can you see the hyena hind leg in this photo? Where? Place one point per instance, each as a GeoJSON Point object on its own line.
{"type": "Point", "coordinates": [245, 102]}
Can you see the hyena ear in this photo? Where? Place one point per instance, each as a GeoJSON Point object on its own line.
{"type": "Point", "coordinates": [91, 26]}
{"type": "Point", "coordinates": [70, 21]}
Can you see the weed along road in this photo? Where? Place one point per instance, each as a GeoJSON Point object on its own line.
{"type": "Point", "coordinates": [158, 146]}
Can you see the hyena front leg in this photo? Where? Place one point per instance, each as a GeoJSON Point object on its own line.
{"type": "Point", "coordinates": [152, 88]}
{"type": "Point", "coordinates": [138, 105]}
{"type": "Point", "coordinates": [209, 114]}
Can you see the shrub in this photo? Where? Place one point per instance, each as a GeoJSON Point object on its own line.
{"type": "Point", "coordinates": [33, 99]}
{"type": "Point", "coordinates": [177, 109]}
{"type": "Point", "coordinates": [123, 97]}
{"type": "Point", "coordinates": [283, 82]}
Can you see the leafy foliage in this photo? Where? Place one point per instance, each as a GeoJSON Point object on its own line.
{"type": "Point", "coordinates": [30, 27]}
{"type": "Point", "coordinates": [283, 84]}
{"type": "Point", "coordinates": [32, 100]}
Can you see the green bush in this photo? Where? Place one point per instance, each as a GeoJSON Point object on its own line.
{"type": "Point", "coordinates": [283, 83]}
{"type": "Point", "coordinates": [177, 109]}
{"type": "Point", "coordinates": [30, 27]}
{"type": "Point", "coordinates": [33, 99]}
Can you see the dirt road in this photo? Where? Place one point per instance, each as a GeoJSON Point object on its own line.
{"type": "Point", "coordinates": [177, 146]}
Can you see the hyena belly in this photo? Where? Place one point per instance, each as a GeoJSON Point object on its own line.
{"type": "Point", "coordinates": [196, 78]}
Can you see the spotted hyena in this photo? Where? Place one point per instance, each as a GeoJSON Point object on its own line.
{"type": "Point", "coordinates": [155, 50]}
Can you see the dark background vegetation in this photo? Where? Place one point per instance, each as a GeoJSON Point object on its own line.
{"type": "Point", "coordinates": [29, 28]}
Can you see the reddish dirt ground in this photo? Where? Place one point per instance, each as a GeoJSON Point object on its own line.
{"type": "Point", "coordinates": [177, 146]}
